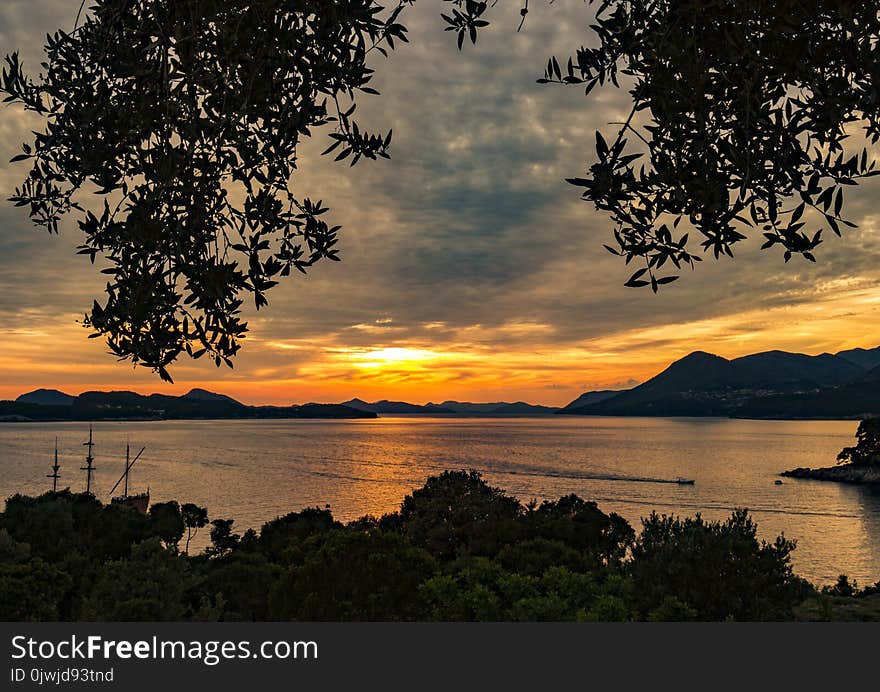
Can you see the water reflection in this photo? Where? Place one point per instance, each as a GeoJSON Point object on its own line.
{"type": "Point", "coordinates": [256, 470]}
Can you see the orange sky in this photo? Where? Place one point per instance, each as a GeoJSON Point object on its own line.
{"type": "Point", "coordinates": [284, 371]}
{"type": "Point", "coordinates": [470, 270]}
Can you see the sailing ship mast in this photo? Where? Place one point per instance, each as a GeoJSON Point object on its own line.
{"type": "Point", "coordinates": [89, 467]}
{"type": "Point", "coordinates": [54, 475]}
{"type": "Point", "coordinates": [141, 501]}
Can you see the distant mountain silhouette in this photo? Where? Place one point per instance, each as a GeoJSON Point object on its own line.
{"type": "Point", "coordinates": [774, 384]}
{"type": "Point", "coordinates": [864, 358]}
{"type": "Point", "coordinates": [588, 398]}
{"type": "Point", "coordinates": [699, 370]}
{"type": "Point", "coordinates": [781, 369]}
{"type": "Point", "coordinates": [498, 408]}
{"type": "Point", "coordinates": [46, 397]}
{"type": "Point", "coordinates": [196, 404]}
{"type": "Point", "coordinates": [385, 406]}
{"type": "Point", "coordinates": [521, 407]}
{"type": "Point", "coordinates": [96, 405]}
{"type": "Point", "coordinates": [451, 407]}
{"type": "Point", "coordinates": [205, 395]}
{"type": "Point", "coordinates": [359, 404]}
{"type": "Point", "coordinates": [854, 400]}
{"type": "Point", "coordinates": [872, 375]}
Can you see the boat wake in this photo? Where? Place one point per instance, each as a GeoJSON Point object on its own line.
{"type": "Point", "coordinates": [714, 507]}
{"type": "Point", "coordinates": [586, 476]}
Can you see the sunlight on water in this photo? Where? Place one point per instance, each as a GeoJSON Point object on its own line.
{"type": "Point", "coordinates": [256, 470]}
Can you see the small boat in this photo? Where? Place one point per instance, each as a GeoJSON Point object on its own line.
{"type": "Point", "coordinates": [684, 481]}
{"type": "Point", "coordinates": [777, 482]}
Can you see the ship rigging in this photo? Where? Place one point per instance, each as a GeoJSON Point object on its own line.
{"type": "Point", "coordinates": [140, 501]}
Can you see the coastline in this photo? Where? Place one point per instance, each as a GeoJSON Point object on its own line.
{"type": "Point", "coordinates": [848, 473]}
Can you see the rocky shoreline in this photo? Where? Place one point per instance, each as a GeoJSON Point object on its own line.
{"type": "Point", "coordinates": [848, 473]}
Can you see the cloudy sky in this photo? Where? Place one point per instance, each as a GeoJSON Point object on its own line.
{"type": "Point", "coordinates": [470, 270]}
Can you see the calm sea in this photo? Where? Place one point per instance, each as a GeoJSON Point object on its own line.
{"type": "Point", "coordinates": [256, 470]}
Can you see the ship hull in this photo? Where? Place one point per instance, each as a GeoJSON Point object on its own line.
{"type": "Point", "coordinates": [139, 502]}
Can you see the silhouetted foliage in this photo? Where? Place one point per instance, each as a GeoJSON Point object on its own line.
{"type": "Point", "coordinates": [242, 583]}
{"type": "Point", "coordinates": [68, 537]}
{"type": "Point", "coordinates": [718, 570]}
{"type": "Point", "coordinates": [184, 117]}
{"type": "Point", "coordinates": [56, 525]}
{"type": "Point", "coordinates": [148, 586]}
{"type": "Point", "coordinates": [842, 587]}
{"type": "Point", "coordinates": [534, 556]}
{"type": "Point", "coordinates": [867, 451]}
{"type": "Point", "coordinates": [842, 601]}
{"type": "Point", "coordinates": [740, 112]}
{"type": "Point", "coordinates": [480, 589]}
{"type": "Point", "coordinates": [223, 541]}
{"type": "Point", "coordinates": [582, 525]}
{"type": "Point", "coordinates": [281, 539]}
{"type": "Point", "coordinates": [194, 519]}
{"type": "Point", "coordinates": [458, 549]}
{"type": "Point", "coordinates": [354, 575]}
{"type": "Point", "coordinates": [457, 513]}
{"type": "Point", "coordinates": [166, 522]}
{"type": "Point", "coordinates": [31, 590]}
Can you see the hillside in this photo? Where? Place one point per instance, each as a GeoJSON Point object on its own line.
{"type": "Point", "coordinates": [394, 407]}
{"type": "Point", "coordinates": [516, 408]}
{"type": "Point", "coordinates": [46, 397]}
{"type": "Point", "coordinates": [589, 398]}
{"type": "Point", "coordinates": [772, 384]}
{"type": "Point", "coordinates": [864, 358]}
{"type": "Point", "coordinates": [197, 404]}
{"type": "Point", "coordinates": [499, 408]}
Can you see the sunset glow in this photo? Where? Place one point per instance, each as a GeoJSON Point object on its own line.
{"type": "Point", "coordinates": [470, 270]}
{"type": "Point", "coordinates": [477, 363]}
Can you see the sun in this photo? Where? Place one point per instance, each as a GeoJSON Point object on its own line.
{"type": "Point", "coordinates": [385, 357]}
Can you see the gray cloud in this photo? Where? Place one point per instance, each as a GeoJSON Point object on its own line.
{"type": "Point", "coordinates": [469, 225]}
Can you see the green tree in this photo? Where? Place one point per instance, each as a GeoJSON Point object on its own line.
{"type": "Point", "coordinates": [475, 590]}
{"type": "Point", "coordinates": [150, 586]}
{"type": "Point", "coordinates": [57, 525]}
{"type": "Point", "coordinates": [355, 575]}
{"type": "Point", "coordinates": [166, 522]}
{"type": "Point", "coordinates": [601, 538]}
{"type": "Point", "coordinates": [672, 610]}
{"type": "Point", "coordinates": [482, 589]}
{"type": "Point", "coordinates": [281, 539]}
{"type": "Point", "coordinates": [534, 556]}
{"type": "Point", "coordinates": [194, 518]}
{"type": "Point", "coordinates": [559, 563]}
{"type": "Point", "coordinates": [244, 582]}
{"type": "Point", "coordinates": [12, 551]}
{"type": "Point", "coordinates": [867, 451]}
{"type": "Point", "coordinates": [458, 513]}
{"type": "Point", "coordinates": [32, 591]}
{"type": "Point", "coordinates": [718, 570]}
{"type": "Point", "coordinates": [223, 541]}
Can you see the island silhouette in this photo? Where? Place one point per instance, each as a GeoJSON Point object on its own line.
{"type": "Point", "coordinates": [768, 385]}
